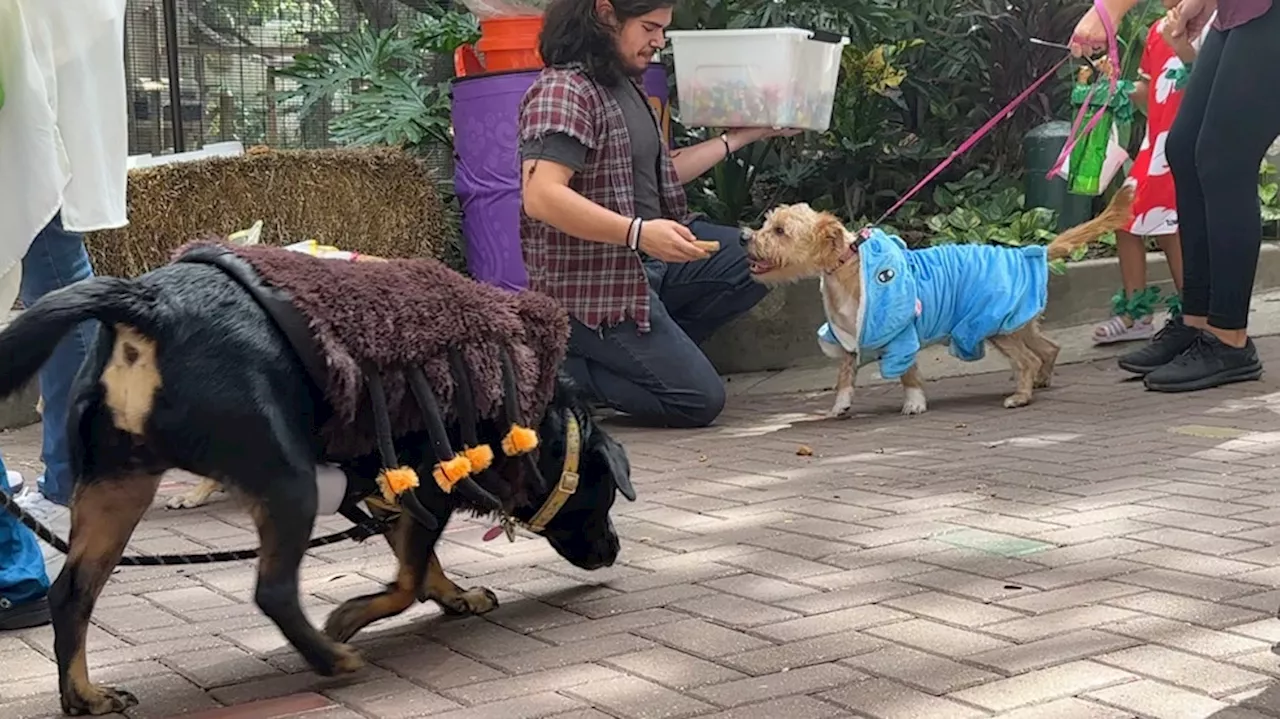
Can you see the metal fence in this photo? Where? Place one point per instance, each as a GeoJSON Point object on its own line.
{"type": "Point", "coordinates": [216, 63]}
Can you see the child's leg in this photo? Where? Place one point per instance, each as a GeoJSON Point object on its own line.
{"type": "Point", "coordinates": [1171, 245]}
{"type": "Point", "coordinates": [1123, 326]}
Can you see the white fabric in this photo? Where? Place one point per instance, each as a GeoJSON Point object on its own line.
{"type": "Point", "coordinates": [10, 286]}
{"type": "Point", "coordinates": [64, 123]}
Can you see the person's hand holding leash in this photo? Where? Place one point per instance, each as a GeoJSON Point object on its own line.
{"type": "Point", "coordinates": [669, 241]}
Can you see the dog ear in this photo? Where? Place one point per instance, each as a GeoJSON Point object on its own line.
{"type": "Point", "coordinates": [830, 230]}
{"type": "Point", "coordinates": [615, 458]}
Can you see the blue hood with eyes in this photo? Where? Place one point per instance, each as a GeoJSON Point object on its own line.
{"type": "Point", "coordinates": [964, 294]}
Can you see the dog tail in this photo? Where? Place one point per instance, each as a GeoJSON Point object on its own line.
{"type": "Point", "coordinates": [1117, 216]}
{"type": "Point", "coordinates": [30, 339]}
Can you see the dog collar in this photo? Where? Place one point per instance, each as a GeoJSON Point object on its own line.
{"type": "Point", "coordinates": [851, 250]}
{"type": "Point", "coordinates": [564, 489]}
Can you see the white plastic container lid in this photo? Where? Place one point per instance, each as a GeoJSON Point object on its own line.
{"type": "Point", "coordinates": [754, 32]}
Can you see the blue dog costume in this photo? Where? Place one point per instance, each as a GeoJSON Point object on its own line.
{"type": "Point", "coordinates": [961, 294]}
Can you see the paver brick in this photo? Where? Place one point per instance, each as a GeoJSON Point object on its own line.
{"type": "Point", "coordinates": [673, 669]}
{"type": "Point", "coordinates": [927, 672]}
{"type": "Point", "coordinates": [1149, 698]}
{"type": "Point", "coordinates": [807, 680]}
{"type": "Point", "coordinates": [701, 638]}
{"type": "Point", "coordinates": [885, 699]}
{"type": "Point", "coordinates": [1186, 670]}
{"type": "Point", "coordinates": [938, 638]}
{"type": "Point", "coordinates": [951, 609]}
{"type": "Point", "coordinates": [798, 707]}
{"type": "Point", "coordinates": [817, 650]}
{"type": "Point", "coordinates": [1057, 649]}
{"type": "Point", "coordinates": [1042, 686]}
{"type": "Point", "coordinates": [635, 698]}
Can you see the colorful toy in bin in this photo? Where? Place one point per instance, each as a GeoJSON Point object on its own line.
{"type": "Point", "coordinates": [1086, 170]}
{"type": "Point", "coordinates": [765, 77]}
{"type": "Point", "coordinates": [741, 104]}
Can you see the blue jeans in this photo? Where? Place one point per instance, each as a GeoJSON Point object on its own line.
{"type": "Point", "coordinates": [57, 258]}
{"type": "Point", "coordinates": [22, 575]}
{"type": "Point", "coordinates": [662, 378]}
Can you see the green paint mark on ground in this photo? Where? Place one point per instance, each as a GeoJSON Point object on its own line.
{"type": "Point", "coordinates": [1208, 432]}
{"type": "Point", "coordinates": [1003, 545]}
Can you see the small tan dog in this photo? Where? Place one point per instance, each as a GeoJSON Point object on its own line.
{"type": "Point", "coordinates": [797, 242]}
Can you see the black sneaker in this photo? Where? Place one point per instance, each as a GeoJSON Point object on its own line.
{"type": "Point", "coordinates": [23, 616]}
{"type": "Point", "coordinates": [1172, 340]}
{"type": "Point", "coordinates": [1208, 362]}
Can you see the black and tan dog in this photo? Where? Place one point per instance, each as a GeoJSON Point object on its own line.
{"type": "Point", "coordinates": [189, 371]}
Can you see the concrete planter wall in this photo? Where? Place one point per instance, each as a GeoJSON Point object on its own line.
{"type": "Point", "coordinates": [780, 332]}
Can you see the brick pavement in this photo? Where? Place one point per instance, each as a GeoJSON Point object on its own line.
{"type": "Point", "coordinates": [1104, 553]}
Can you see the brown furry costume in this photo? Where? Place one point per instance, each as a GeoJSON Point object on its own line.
{"type": "Point", "coordinates": [381, 320]}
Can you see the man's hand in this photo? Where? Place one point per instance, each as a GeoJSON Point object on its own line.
{"type": "Point", "coordinates": [746, 135]}
{"type": "Point", "coordinates": [1189, 18]}
{"type": "Point", "coordinates": [669, 241]}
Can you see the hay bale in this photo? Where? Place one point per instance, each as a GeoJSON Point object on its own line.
{"type": "Point", "coordinates": [378, 201]}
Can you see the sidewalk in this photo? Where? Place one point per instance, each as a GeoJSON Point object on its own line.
{"type": "Point", "coordinates": [1106, 552]}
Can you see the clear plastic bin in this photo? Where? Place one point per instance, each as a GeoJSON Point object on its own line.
{"type": "Point", "coordinates": [768, 77]}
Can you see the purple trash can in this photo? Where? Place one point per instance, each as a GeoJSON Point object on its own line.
{"type": "Point", "coordinates": [487, 169]}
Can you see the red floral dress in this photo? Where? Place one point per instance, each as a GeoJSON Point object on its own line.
{"type": "Point", "coordinates": [1155, 207]}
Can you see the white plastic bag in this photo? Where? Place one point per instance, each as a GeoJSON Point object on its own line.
{"type": "Point", "coordinates": [1116, 157]}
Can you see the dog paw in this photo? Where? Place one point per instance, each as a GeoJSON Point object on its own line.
{"type": "Point", "coordinates": [843, 405]}
{"type": "Point", "coordinates": [914, 403]}
{"type": "Point", "coordinates": [98, 700]}
{"type": "Point", "coordinates": [1044, 381]}
{"type": "Point", "coordinates": [346, 660]}
{"type": "Point", "coordinates": [477, 600]}
{"type": "Point", "coordinates": [184, 501]}
{"type": "Point", "coordinates": [1017, 400]}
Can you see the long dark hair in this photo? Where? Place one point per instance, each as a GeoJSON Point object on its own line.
{"type": "Point", "coordinates": [572, 32]}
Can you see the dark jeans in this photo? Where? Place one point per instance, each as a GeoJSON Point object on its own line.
{"type": "Point", "coordinates": [661, 377]}
{"type": "Point", "coordinates": [1228, 119]}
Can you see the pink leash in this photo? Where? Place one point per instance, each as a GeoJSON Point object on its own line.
{"type": "Point", "coordinates": [1113, 54]}
{"type": "Point", "coordinates": [1008, 109]}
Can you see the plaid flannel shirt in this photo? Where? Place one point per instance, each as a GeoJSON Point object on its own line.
{"type": "Point", "coordinates": [598, 284]}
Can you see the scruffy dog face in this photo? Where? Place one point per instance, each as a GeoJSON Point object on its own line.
{"type": "Point", "coordinates": [796, 242]}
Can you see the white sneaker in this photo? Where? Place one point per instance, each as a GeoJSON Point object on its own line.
{"type": "Point", "coordinates": [15, 482]}
{"type": "Point", "coordinates": [37, 506]}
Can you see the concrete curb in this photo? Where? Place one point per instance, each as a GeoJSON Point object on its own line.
{"type": "Point", "coordinates": [780, 332]}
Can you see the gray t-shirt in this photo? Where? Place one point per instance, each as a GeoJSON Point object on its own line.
{"type": "Point", "coordinates": [646, 144]}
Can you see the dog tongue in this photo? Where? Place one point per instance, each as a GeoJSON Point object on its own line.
{"type": "Point", "coordinates": [493, 533]}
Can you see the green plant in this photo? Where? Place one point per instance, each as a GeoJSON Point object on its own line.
{"type": "Point", "coordinates": [378, 72]}
{"type": "Point", "coordinates": [982, 209]}
{"type": "Point", "coordinates": [1269, 198]}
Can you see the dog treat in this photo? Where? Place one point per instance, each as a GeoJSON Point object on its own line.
{"type": "Point", "coordinates": [707, 245]}
{"type": "Point", "coordinates": [741, 104]}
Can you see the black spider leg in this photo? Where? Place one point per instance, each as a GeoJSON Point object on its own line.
{"type": "Point", "coordinates": [439, 438]}
{"type": "Point", "coordinates": [386, 445]}
{"type": "Point", "coordinates": [464, 401]}
{"type": "Point", "coordinates": [511, 407]}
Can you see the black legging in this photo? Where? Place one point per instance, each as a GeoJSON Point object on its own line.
{"type": "Point", "coordinates": [1228, 119]}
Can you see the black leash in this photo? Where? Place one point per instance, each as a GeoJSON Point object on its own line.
{"type": "Point", "coordinates": [364, 528]}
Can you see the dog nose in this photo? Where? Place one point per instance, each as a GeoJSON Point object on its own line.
{"type": "Point", "coordinates": [745, 237]}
